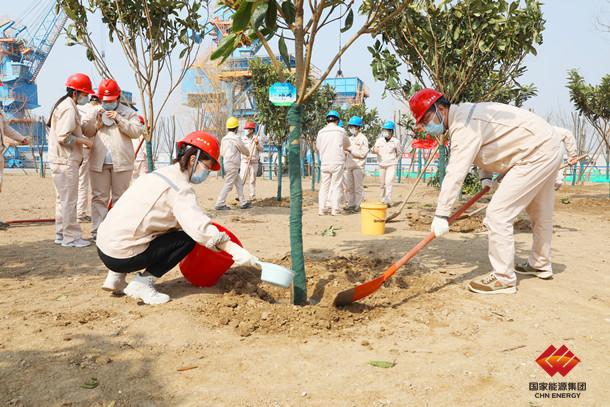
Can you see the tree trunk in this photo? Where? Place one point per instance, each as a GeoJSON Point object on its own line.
{"type": "Point", "coordinates": [278, 197]}
{"type": "Point", "coordinates": [295, 117]}
{"type": "Point", "coordinates": [442, 164]}
{"type": "Point", "coordinates": [149, 156]}
{"type": "Point", "coordinates": [313, 170]}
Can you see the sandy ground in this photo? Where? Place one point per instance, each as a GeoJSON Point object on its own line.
{"type": "Point", "coordinates": [65, 342]}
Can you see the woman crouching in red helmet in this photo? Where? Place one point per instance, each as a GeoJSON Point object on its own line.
{"type": "Point", "coordinates": [157, 222]}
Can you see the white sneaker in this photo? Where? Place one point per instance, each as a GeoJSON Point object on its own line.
{"type": "Point", "coordinates": [142, 288]}
{"type": "Point", "coordinates": [76, 243]}
{"type": "Point", "coordinates": [59, 239]}
{"type": "Point", "coordinates": [115, 282]}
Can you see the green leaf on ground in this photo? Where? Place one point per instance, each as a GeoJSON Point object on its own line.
{"type": "Point", "coordinates": [382, 364]}
{"type": "Point", "coordinates": [90, 384]}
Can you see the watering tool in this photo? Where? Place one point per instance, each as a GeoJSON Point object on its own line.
{"type": "Point", "coordinates": [365, 289]}
{"type": "Point", "coordinates": [419, 176]}
{"type": "Point", "coordinates": [276, 274]}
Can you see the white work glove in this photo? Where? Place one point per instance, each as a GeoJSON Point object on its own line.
{"type": "Point", "coordinates": [241, 257]}
{"type": "Point", "coordinates": [486, 182]}
{"type": "Point", "coordinates": [216, 240]}
{"type": "Point", "coordinates": [558, 185]}
{"type": "Point", "coordinates": [440, 226]}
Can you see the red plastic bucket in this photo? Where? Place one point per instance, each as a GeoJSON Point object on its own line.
{"type": "Point", "coordinates": [204, 267]}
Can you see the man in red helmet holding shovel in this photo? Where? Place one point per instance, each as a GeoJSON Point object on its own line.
{"type": "Point", "coordinates": [510, 141]}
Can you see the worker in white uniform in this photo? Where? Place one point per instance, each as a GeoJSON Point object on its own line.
{"type": "Point", "coordinates": [8, 136]}
{"type": "Point", "coordinates": [355, 161]}
{"type": "Point", "coordinates": [568, 140]}
{"type": "Point", "coordinates": [66, 141]}
{"type": "Point", "coordinates": [388, 150]}
{"type": "Point", "coordinates": [501, 139]}
{"type": "Point", "coordinates": [332, 144]}
{"type": "Point", "coordinates": [112, 158]}
{"type": "Point", "coordinates": [231, 150]}
{"type": "Point", "coordinates": [157, 222]}
{"type": "Point", "coordinates": [87, 112]}
{"type": "Point", "coordinates": [249, 162]}
{"type": "Point", "coordinates": [140, 165]}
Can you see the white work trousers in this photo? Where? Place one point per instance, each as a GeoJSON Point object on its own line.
{"type": "Point", "coordinates": [84, 184]}
{"type": "Point", "coordinates": [232, 179]}
{"type": "Point", "coordinates": [102, 185]}
{"type": "Point", "coordinates": [250, 175]}
{"type": "Point", "coordinates": [354, 188]}
{"type": "Point", "coordinates": [65, 180]}
{"type": "Point", "coordinates": [140, 167]}
{"type": "Point", "coordinates": [331, 181]}
{"type": "Point", "coordinates": [526, 187]}
{"type": "Point", "coordinates": [386, 178]}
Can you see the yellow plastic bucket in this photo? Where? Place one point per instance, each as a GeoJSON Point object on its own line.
{"type": "Point", "coordinates": [372, 215]}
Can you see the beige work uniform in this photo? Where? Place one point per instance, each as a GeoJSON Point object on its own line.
{"type": "Point", "coordinates": [6, 133]}
{"type": "Point", "coordinates": [504, 139]}
{"type": "Point", "coordinates": [87, 112]}
{"type": "Point", "coordinates": [251, 162]}
{"type": "Point", "coordinates": [568, 140]}
{"type": "Point", "coordinates": [155, 204]}
{"type": "Point", "coordinates": [140, 165]}
{"type": "Point", "coordinates": [111, 161]}
{"type": "Point", "coordinates": [388, 153]}
{"type": "Point", "coordinates": [65, 156]}
{"type": "Point", "coordinates": [355, 160]}
{"type": "Point", "coordinates": [231, 150]}
{"type": "Point", "coordinates": [331, 144]}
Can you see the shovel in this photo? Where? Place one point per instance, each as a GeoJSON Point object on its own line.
{"type": "Point", "coordinates": [402, 206]}
{"type": "Point", "coordinates": [365, 289]}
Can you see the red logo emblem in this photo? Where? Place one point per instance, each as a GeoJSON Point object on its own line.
{"type": "Point", "coordinates": [554, 360]}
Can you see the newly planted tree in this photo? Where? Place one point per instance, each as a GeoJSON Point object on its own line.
{"type": "Point", "coordinates": [264, 19]}
{"type": "Point", "coordinates": [593, 102]}
{"type": "Point", "coordinates": [471, 50]}
{"type": "Point", "coordinates": [151, 33]}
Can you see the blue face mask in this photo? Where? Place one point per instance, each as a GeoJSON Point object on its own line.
{"type": "Point", "coordinates": [435, 129]}
{"type": "Point", "coordinates": [201, 176]}
{"type": "Point", "coordinates": [108, 106]}
{"type": "Point", "coordinates": [82, 100]}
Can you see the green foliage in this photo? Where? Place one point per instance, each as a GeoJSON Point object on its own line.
{"type": "Point", "coordinates": [270, 116]}
{"type": "Point", "coordinates": [471, 185]}
{"type": "Point", "coordinates": [372, 121]}
{"type": "Point", "coordinates": [591, 101]}
{"type": "Point", "coordinates": [171, 21]}
{"type": "Point", "coordinates": [274, 117]}
{"type": "Point", "coordinates": [471, 50]}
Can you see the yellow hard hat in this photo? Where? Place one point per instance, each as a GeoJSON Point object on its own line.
{"type": "Point", "coordinates": [232, 122]}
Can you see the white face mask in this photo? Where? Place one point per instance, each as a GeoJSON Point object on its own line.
{"type": "Point", "coordinates": [353, 131]}
{"type": "Point", "coordinates": [387, 134]}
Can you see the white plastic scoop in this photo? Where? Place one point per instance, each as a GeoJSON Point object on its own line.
{"type": "Point", "coordinates": [276, 274]}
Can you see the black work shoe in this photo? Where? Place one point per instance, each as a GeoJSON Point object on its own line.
{"type": "Point", "coordinates": [222, 208]}
{"type": "Point", "coordinates": [246, 205]}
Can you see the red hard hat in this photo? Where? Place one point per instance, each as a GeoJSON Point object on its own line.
{"type": "Point", "coordinates": [250, 125]}
{"type": "Point", "coordinates": [206, 142]}
{"type": "Point", "coordinates": [109, 90]}
{"type": "Point", "coordinates": [80, 82]}
{"type": "Point", "coordinates": [422, 101]}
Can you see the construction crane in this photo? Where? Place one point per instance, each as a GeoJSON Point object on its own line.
{"type": "Point", "coordinates": [24, 48]}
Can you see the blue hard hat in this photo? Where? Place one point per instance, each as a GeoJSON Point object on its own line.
{"type": "Point", "coordinates": [340, 124]}
{"type": "Point", "coordinates": [355, 121]}
{"type": "Point", "coordinates": [389, 125]}
{"type": "Point", "coordinates": [333, 113]}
